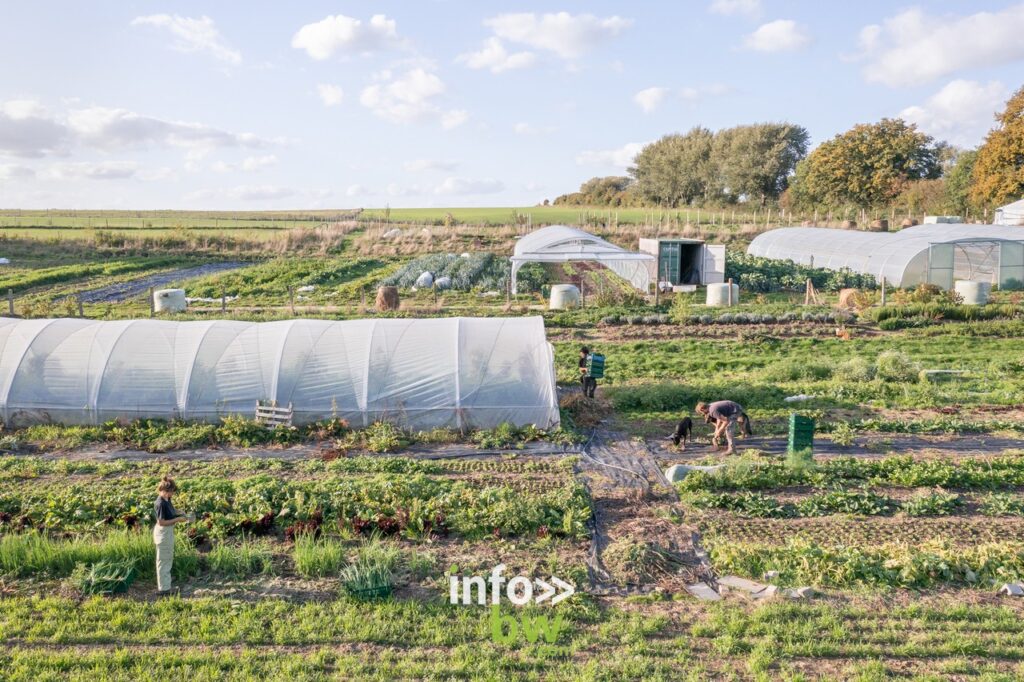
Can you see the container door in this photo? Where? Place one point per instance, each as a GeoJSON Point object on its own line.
{"type": "Point", "coordinates": [1011, 265]}
{"type": "Point", "coordinates": [940, 265]}
{"type": "Point", "coordinates": [713, 271]}
{"type": "Point", "coordinates": [668, 263]}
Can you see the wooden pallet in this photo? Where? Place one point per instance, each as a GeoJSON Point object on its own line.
{"type": "Point", "coordinates": [272, 416]}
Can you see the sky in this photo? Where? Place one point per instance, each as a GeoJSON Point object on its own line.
{"type": "Point", "coordinates": [272, 105]}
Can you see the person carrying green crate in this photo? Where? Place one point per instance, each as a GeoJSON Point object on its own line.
{"type": "Point", "coordinates": [725, 414]}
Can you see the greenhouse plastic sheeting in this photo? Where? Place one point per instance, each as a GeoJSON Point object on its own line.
{"type": "Point", "coordinates": [561, 244]}
{"type": "Point", "coordinates": [901, 257]}
{"type": "Point", "coordinates": [457, 372]}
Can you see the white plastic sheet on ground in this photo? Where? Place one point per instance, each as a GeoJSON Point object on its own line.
{"type": "Point", "coordinates": [457, 372]}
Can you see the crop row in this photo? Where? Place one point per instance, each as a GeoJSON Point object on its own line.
{"type": "Point", "coordinates": [413, 505]}
{"type": "Point", "coordinates": [902, 471]}
{"type": "Point", "coordinates": [928, 565]}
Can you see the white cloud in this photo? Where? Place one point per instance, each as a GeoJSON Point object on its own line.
{"type": "Point", "coordinates": [496, 58]}
{"type": "Point", "coordinates": [116, 128]}
{"type": "Point", "coordinates": [105, 170]}
{"type": "Point", "coordinates": [454, 118]}
{"type": "Point", "coordinates": [330, 95]}
{"type": "Point", "coordinates": [912, 48]}
{"type": "Point", "coordinates": [15, 172]}
{"type": "Point", "coordinates": [961, 112]}
{"type": "Point", "coordinates": [781, 35]}
{"type": "Point", "coordinates": [420, 165]}
{"type": "Point", "coordinates": [193, 35]}
{"type": "Point", "coordinates": [405, 98]}
{"type": "Point", "coordinates": [456, 185]}
{"type": "Point", "coordinates": [611, 158]}
{"type": "Point", "coordinates": [28, 130]}
{"type": "Point", "coordinates": [339, 33]}
{"type": "Point", "coordinates": [650, 98]}
{"type": "Point", "coordinates": [357, 191]}
{"type": "Point", "coordinates": [568, 36]}
{"type": "Point", "coordinates": [524, 128]}
{"type": "Point", "coordinates": [395, 190]}
{"type": "Point", "coordinates": [747, 8]}
{"type": "Point", "coordinates": [242, 193]}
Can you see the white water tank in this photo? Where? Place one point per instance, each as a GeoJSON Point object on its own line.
{"type": "Point", "coordinates": [718, 294]}
{"type": "Point", "coordinates": [169, 300]}
{"type": "Point", "coordinates": [564, 296]}
{"type": "Point", "coordinates": [973, 293]}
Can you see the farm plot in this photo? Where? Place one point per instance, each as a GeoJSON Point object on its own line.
{"type": "Point", "coordinates": [845, 522]}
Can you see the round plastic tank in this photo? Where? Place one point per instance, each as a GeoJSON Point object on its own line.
{"type": "Point", "coordinates": [169, 300]}
{"type": "Point", "coordinates": [718, 294]}
{"type": "Point", "coordinates": [973, 293]}
{"type": "Point", "coordinates": [564, 296]}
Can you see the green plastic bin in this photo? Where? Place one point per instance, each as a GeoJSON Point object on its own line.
{"type": "Point", "coordinates": [801, 433]}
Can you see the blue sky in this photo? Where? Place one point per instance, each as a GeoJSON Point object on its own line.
{"type": "Point", "coordinates": [266, 105]}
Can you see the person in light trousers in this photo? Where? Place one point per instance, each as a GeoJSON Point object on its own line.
{"type": "Point", "coordinates": [163, 532]}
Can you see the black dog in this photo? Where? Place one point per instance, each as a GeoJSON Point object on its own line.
{"type": "Point", "coordinates": [682, 432]}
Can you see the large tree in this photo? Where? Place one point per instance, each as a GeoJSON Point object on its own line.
{"type": "Point", "coordinates": [755, 161]}
{"type": "Point", "coordinates": [958, 182]}
{"type": "Point", "coordinates": [677, 169]}
{"type": "Point", "coordinates": [998, 173]}
{"type": "Point", "coordinates": [869, 165]}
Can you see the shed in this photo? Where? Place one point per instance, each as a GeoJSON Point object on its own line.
{"type": "Point", "coordinates": [449, 372]}
{"type": "Point", "coordinates": [562, 244]}
{"type": "Point", "coordinates": [686, 261]}
{"type": "Point", "coordinates": [937, 254]}
{"type": "Point", "coordinates": [1011, 214]}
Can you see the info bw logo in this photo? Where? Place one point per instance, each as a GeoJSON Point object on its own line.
{"type": "Point", "coordinates": [519, 590]}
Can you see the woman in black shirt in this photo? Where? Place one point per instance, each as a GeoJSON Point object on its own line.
{"type": "Point", "coordinates": [163, 532]}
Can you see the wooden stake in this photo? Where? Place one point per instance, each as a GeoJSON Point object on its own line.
{"type": "Point", "coordinates": [223, 301]}
{"type": "Point", "coordinates": [152, 303]}
{"type": "Point", "coordinates": [291, 299]}
{"type": "Point", "coordinates": [81, 313]}
{"type": "Point", "coordinates": [730, 292]}
{"type": "Point", "coordinates": [883, 290]}
{"type": "Point", "coordinates": [10, 302]}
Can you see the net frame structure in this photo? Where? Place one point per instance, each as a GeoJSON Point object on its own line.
{"type": "Point", "coordinates": [935, 253]}
{"type": "Point", "coordinates": [563, 244]}
{"type": "Point", "coordinates": [461, 373]}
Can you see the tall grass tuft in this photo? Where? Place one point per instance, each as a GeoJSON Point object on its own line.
{"type": "Point", "coordinates": [249, 557]}
{"type": "Point", "coordinates": [318, 557]}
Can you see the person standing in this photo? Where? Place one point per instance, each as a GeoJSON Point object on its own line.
{"type": "Point", "coordinates": [163, 532]}
{"type": "Point", "coordinates": [725, 414]}
{"type": "Point", "coordinates": [588, 382]}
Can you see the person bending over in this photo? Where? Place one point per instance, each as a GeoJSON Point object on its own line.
{"type": "Point", "coordinates": [588, 382]}
{"type": "Point", "coordinates": [725, 414]}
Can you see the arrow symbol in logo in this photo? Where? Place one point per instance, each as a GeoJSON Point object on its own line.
{"type": "Point", "coordinates": [548, 590]}
{"type": "Point", "coordinates": [569, 589]}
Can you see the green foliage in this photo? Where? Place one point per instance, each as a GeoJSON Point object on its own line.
{"type": "Point", "coordinates": [757, 274]}
{"type": "Point", "coordinates": [931, 564]}
{"type": "Point", "coordinates": [677, 169]}
{"type": "Point", "coordinates": [935, 503]}
{"type": "Point", "coordinates": [756, 161]}
{"type": "Point", "coordinates": [892, 365]}
{"type": "Point", "coordinates": [868, 165]}
{"type": "Point", "coordinates": [607, 191]}
{"type": "Point", "coordinates": [843, 434]}
{"type": "Point", "coordinates": [531, 278]}
{"type": "Point", "coordinates": [1002, 504]}
{"type": "Point", "coordinates": [318, 557]}
{"type": "Point", "coordinates": [371, 573]}
{"type": "Point", "coordinates": [859, 502]}
{"type": "Point", "coordinates": [958, 183]}
{"type": "Point", "coordinates": [106, 576]}
{"type": "Point", "coordinates": [246, 558]}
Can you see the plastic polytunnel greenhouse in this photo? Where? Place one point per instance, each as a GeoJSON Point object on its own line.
{"type": "Point", "coordinates": [935, 254]}
{"type": "Point", "coordinates": [454, 372]}
{"type": "Point", "coordinates": [561, 244]}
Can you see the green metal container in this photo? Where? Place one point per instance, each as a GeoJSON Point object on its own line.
{"type": "Point", "coordinates": [801, 433]}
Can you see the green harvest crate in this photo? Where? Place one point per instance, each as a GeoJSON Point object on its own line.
{"type": "Point", "coordinates": [801, 433]}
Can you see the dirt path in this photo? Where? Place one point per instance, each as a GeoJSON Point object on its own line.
{"type": "Point", "coordinates": [632, 501]}
{"type": "Point", "coordinates": [115, 293]}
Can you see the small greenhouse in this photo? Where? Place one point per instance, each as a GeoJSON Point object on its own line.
{"type": "Point", "coordinates": [1011, 214]}
{"type": "Point", "coordinates": [562, 244]}
{"type": "Point", "coordinates": [935, 254]}
{"type": "Point", "coordinates": [454, 372]}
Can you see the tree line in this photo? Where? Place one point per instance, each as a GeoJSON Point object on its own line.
{"type": "Point", "coordinates": [871, 166]}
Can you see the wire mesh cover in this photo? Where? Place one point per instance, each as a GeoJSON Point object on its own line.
{"type": "Point", "coordinates": [458, 372]}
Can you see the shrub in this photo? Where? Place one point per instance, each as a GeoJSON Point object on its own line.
{"type": "Point", "coordinates": [239, 561]}
{"type": "Point", "coordinates": [895, 366]}
{"type": "Point", "coordinates": [382, 437]}
{"type": "Point", "coordinates": [937, 503]}
{"type": "Point", "coordinates": [854, 370]}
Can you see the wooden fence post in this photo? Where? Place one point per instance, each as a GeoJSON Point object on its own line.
{"type": "Point", "coordinates": [81, 312]}
{"type": "Point", "coordinates": [883, 290]}
{"type": "Point", "coordinates": [291, 299]}
{"type": "Point", "coordinates": [152, 303]}
{"type": "Point", "coordinates": [10, 302]}
{"type": "Point", "coordinates": [730, 292]}
{"type": "Point", "coordinates": [223, 301]}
